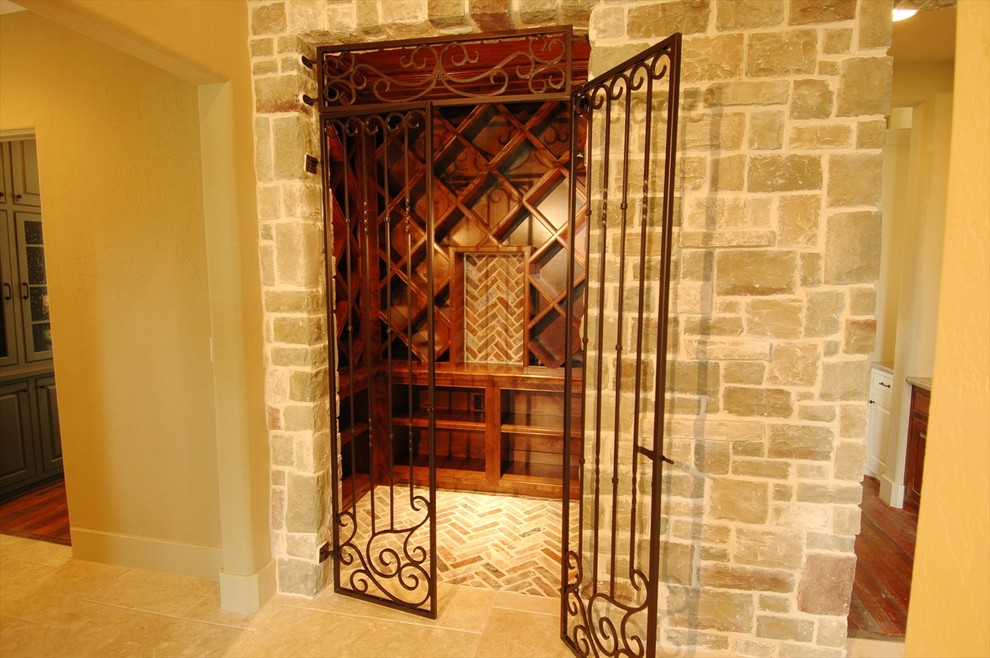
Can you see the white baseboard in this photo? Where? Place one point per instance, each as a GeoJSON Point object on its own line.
{"type": "Point", "coordinates": [146, 553]}
{"type": "Point", "coordinates": [891, 492]}
{"type": "Point", "coordinates": [246, 594]}
{"type": "Point", "coordinates": [875, 467]}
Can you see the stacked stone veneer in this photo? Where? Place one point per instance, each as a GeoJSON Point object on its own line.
{"type": "Point", "coordinates": [779, 166]}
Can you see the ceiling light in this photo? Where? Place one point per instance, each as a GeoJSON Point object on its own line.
{"type": "Point", "coordinates": [904, 14]}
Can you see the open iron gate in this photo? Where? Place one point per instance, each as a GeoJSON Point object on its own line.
{"type": "Point", "coordinates": [611, 570]}
{"type": "Point", "coordinates": [384, 528]}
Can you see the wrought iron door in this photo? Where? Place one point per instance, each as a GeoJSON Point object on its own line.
{"type": "Point", "coordinates": [610, 570]}
{"type": "Point", "coordinates": [379, 188]}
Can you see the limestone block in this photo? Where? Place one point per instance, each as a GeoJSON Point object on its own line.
{"type": "Point", "coordinates": [727, 576]}
{"type": "Point", "coordinates": [278, 507]}
{"type": "Point", "coordinates": [824, 310]}
{"type": "Point", "coordinates": [850, 460]}
{"type": "Point", "coordinates": [832, 630]}
{"type": "Point", "coordinates": [748, 14]}
{"type": "Point", "coordinates": [307, 386]}
{"type": "Point", "coordinates": [704, 132]}
{"type": "Point", "coordinates": [677, 563]}
{"type": "Point", "coordinates": [729, 213]}
{"type": "Point", "coordinates": [306, 16]}
{"type": "Point", "coordinates": [863, 300]}
{"type": "Point", "coordinates": [720, 325]}
{"type": "Point", "coordinates": [755, 272]}
{"type": "Point", "coordinates": [537, 12]}
{"type": "Point", "coordinates": [712, 457]}
{"type": "Point", "coordinates": [268, 205]}
{"type": "Point", "coordinates": [302, 545]}
{"type": "Point", "coordinates": [299, 330]}
{"type": "Point", "coordinates": [826, 541]}
{"type": "Point", "coordinates": [774, 603]}
{"type": "Point", "coordinates": [821, 136]}
{"type": "Point", "coordinates": [403, 11]}
{"type": "Point", "coordinates": [844, 494]}
{"type": "Point", "coordinates": [871, 134]}
{"type": "Point", "coordinates": [764, 547]}
{"type": "Point", "coordinates": [739, 500]}
{"type": "Point", "coordinates": [864, 86]}
{"type": "Point", "coordinates": [845, 380]}
{"type": "Point", "coordinates": [727, 349]}
{"type": "Point", "coordinates": [837, 41]}
{"type": "Point", "coordinates": [278, 94]}
{"type": "Point", "coordinates": [813, 471]}
{"type": "Point", "coordinates": [763, 468]}
{"type": "Point", "coordinates": [739, 92]}
{"type": "Point", "coordinates": [804, 12]}
{"type": "Point", "coordinates": [680, 484]}
{"type": "Point", "coordinates": [777, 54]}
{"type": "Point", "coordinates": [710, 609]}
{"type": "Point", "coordinates": [774, 318]}
{"type": "Point", "coordinates": [799, 217]}
{"type": "Point", "coordinates": [294, 301]}
{"type": "Point", "coordinates": [784, 173]}
{"type": "Point", "coordinates": [299, 254]}
{"type": "Point", "coordinates": [693, 377]}
{"type": "Point", "coordinates": [723, 430]}
{"type": "Point", "coordinates": [268, 19]}
{"type": "Point", "coordinates": [273, 417]}
{"type": "Point", "coordinates": [826, 584]}
{"type": "Point", "coordinates": [262, 47]}
{"type": "Point", "coordinates": [811, 270]}
{"type": "Point", "coordinates": [660, 19]}
{"type": "Point", "coordinates": [846, 520]}
{"type": "Point", "coordinates": [744, 372]}
{"type": "Point", "coordinates": [794, 365]}
{"type": "Point", "coordinates": [491, 15]}
{"type": "Point", "coordinates": [728, 173]}
{"type": "Point", "coordinates": [860, 336]}
{"type": "Point", "coordinates": [293, 138]}
{"type": "Point", "coordinates": [447, 13]}
{"type": "Point", "coordinates": [855, 180]}
{"type": "Point", "coordinates": [296, 576]}
{"type": "Point", "coordinates": [291, 356]}
{"type": "Point", "coordinates": [785, 628]}
{"type": "Point", "coordinates": [808, 517]}
{"type": "Point", "coordinates": [810, 442]}
{"type": "Point", "coordinates": [305, 504]}
{"type": "Point", "coordinates": [712, 58]}
{"type": "Point", "coordinates": [875, 25]}
{"type": "Point", "coordinates": [576, 12]}
{"type": "Point", "coordinates": [766, 130]}
{"type": "Point", "coordinates": [758, 402]}
{"type": "Point", "coordinates": [812, 99]}
{"type": "Point", "coordinates": [749, 449]}
{"type": "Point", "coordinates": [727, 238]}
{"type": "Point", "coordinates": [264, 67]}
{"type": "Point", "coordinates": [343, 17]}
{"type": "Point", "coordinates": [282, 450]}
{"type": "Point", "coordinates": [817, 411]}
{"type": "Point", "coordinates": [302, 200]}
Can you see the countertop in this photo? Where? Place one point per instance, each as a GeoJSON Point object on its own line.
{"type": "Point", "coordinates": [885, 366]}
{"type": "Point", "coordinates": [921, 382]}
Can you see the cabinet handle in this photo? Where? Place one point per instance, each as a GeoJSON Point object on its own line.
{"type": "Point", "coordinates": [884, 385]}
{"type": "Point", "coordinates": [18, 197]}
{"type": "Point", "coordinates": [8, 292]}
{"type": "Point", "coordinates": [24, 290]}
{"type": "Point", "coordinates": [872, 402]}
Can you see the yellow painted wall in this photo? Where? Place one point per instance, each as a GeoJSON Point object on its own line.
{"type": "Point", "coordinates": [205, 44]}
{"type": "Point", "coordinates": [949, 613]}
{"type": "Point", "coordinates": [118, 146]}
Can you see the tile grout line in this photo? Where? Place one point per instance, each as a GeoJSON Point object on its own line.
{"type": "Point", "coordinates": [381, 619]}
{"type": "Point", "coordinates": [166, 615]}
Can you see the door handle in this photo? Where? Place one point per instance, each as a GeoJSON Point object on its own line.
{"type": "Point", "coordinates": [24, 291]}
{"type": "Point", "coordinates": [8, 292]}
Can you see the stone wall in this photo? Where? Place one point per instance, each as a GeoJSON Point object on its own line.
{"type": "Point", "coordinates": [781, 131]}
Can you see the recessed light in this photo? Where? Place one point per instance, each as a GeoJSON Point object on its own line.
{"type": "Point", "coordinates": [904, 14]}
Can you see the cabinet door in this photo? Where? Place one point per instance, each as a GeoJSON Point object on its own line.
{"type": "Point", "coordinates": [24, 173]}
{"type": "Point", "coordinates": [17, 462]}
{"type": "Point", "coordinates": [879, 422]}
{"type": "Point", "coordinates": [33, 287]}
{"type": "Point", "coordinates": [6, 196]}
{"type": "Point", "coordinates": [49, 436]}
{"type": "Point", "coordinates": [9, 303]}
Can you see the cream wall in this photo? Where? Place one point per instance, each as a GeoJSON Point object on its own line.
{"type": "Point", "coordinates": [950, 593]}
{"type": "Point", "coordinates": [118, 145]}
{"type": "Point", "coordinates": [203, 43]}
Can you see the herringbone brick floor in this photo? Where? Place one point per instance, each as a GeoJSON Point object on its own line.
{"type": "Point", "coordinates": [497, 542]}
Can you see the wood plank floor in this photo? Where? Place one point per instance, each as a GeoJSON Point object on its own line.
{"type": "Point", "coordinates": [39, 514]}
{"type": "Point", "coordinates": [885, 558]}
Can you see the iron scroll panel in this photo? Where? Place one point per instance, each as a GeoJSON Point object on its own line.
{"type": "Point", "coordinates": [384, 518]}
{"type": "Point", "coordinates": [611, 568]}
{"type": "Point", "coordinates": [463, 69]}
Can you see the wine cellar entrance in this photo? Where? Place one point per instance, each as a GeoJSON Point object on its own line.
{"type": "Point", "coordinates": [457, 214]}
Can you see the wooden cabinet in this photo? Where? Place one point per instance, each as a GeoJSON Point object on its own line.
{"type": "Point", "coordinates": [30, 446]}
{"type": "Point", "coordinates": [878, 424]}
{"type": "Point", "coordinates": [917, 438]}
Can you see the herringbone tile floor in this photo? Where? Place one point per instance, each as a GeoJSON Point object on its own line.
{"type": "Point", "coordinates": [497, 542]}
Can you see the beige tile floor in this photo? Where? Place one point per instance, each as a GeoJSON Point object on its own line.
{"type": "Point", "coordinates": [53, 605]}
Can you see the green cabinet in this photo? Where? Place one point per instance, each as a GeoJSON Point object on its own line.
{"type": "Point", "coordinates": [30, 446]}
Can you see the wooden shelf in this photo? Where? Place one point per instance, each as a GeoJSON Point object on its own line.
{"type": "Point", "coordinates": [445, 419]}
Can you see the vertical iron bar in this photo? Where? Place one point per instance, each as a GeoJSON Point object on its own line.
{"type": "Point", "coordinates": [431, 355]}
{"type": "Point", "coordinates": [623, 206]}
{"type": "Point", "coordinates": [331, 279]}
{"type": "Point", "coordinates": [407, 156]}
{"type": "Point", "coordinates": [350, 320]}
{"type": "Point", "coordinates": [388, 322]}
{"type": "Point", "coordinates": [673, 103]}
{"type": "Point", "coordinates": [601, 336]}
{"type": "Point", "coordinates": [366, 252]}
{"type": "Point", "coordinates": [648, 132]}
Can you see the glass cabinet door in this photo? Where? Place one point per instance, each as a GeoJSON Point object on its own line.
{"type": "Point", "coordinates": [8, 294]}
{"type": "Point", "coordinates": [33, 287]}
